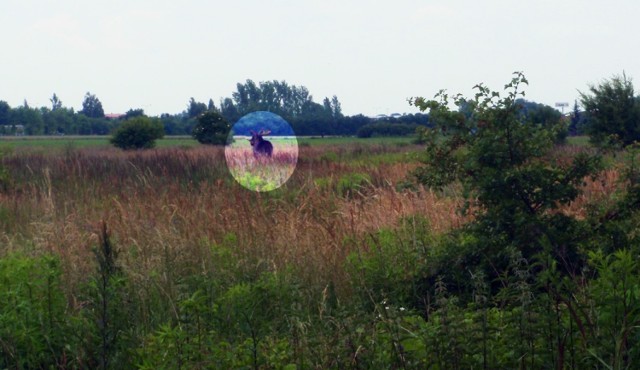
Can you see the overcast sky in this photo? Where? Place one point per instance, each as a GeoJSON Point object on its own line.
{"type": "Point", "coordinates": [373, 55]}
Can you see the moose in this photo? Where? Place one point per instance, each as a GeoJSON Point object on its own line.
{"type": "Point", "coordinates": [261, 147]}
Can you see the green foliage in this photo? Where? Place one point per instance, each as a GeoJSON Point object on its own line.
{"type": "Point", "coordinates": [544, 115]}
{"type": "Point", "coordinates": [353, 184]}
{"type": "Point", "coordinates": [614, 112]}
{"type": "Point", "coordinates": [614, 226]}
{"type": "Point", "coordinates": [386, 129]}
{"type": "Point", "coordinates": [522, 285]}
{"type": "Point", "coordinates": [131, 113]}
{"type": "Point", "coordinates": [617, 315]}
{"type": "Point", "coordinates": [137, 133]}
{"type": "Point", "coordinates": [391, 264]}
{"type": "Point", "coordinates": [244, 326]}
{"type": "Point", "coordinates": [29, 118]}
{"type": "Point", "coordinates": [34, 332]}
{"type": "Point", "coordinates": [500, 160]}
{"type": "Point", "coordinates": [211, 129]}
{"type": "Point", "coordinates": [422, 135]}
{"type": "Point", "coordinates": [92, 107]}
{"type": "Point", "coordinates": [5, 113]}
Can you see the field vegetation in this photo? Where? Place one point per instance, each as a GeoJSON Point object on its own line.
{"type": "Point", "coordinates": [490, 246]}
{"type": "Point", "coordinates": [262, 173]}
{"type": "Point", "coordinates": [159, 259]}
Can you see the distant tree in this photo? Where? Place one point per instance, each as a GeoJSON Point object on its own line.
{"type": "Point", "coordinates": [212, 129]}
{"type": "Point", "coordinates": [5, 113]}
{"type": "Point", "coordinates": [92, 107]}
{"type": "Point", "coordinates": [350, 125]}
{"type": "Point", "coordinates": [544, 115]}
{"type": "Point", "coordinates": [30, 118]}
{"type": "Point", "coordinates": [194, 109]}
{"type": "Point", "coordinates": [138, 133]}
{"type": "Point", "coordinates": [229, 110]}
{"type": "Point", "coordinates": [326, 104]}
{"type": "Point", "coordinates": [131, 113]}
{"type": "Point", "coordinates": [59, 121]}
{"type": "Point", "coordinates": [174, 124]}
{"type": "Point", "coordinates": [576, 116]}
{"type": "Point", "coordinates": [336, 107]}
{"type": "Point", "coordinates": [211, 106]}
{"type": "Point", "coordinates": [55, 102]}
{"type": "Point", "coordinates": [386, 129]}
{"type": "Point", "coordinates": [614, 112]}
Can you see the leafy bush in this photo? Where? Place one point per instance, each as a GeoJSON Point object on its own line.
{"type": "Point", "coordinates": [211, 129]}
{"type": "Point", "coordinates": [246, 326]}
{"type": "Point", "coordinates": [138, 133]}
{"type": "Point", "coordinates": [500, 161]}
{"type": "Point", "coordinates": [33, 326]}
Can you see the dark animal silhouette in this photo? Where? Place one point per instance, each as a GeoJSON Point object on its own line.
{"type": "Point", "coordinates": [261, 147]}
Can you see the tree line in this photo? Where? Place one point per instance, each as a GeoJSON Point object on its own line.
{"type": "Point", "coordinates": [612, 107]}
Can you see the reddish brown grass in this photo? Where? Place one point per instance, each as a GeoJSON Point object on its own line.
{"type": "Point", "coordinates": [167, 207]}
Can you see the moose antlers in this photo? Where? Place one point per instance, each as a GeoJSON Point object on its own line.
{"type": "Point", "coordinates": [261, 133]}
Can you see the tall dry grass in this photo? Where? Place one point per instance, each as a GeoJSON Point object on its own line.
{"type": "Point", "coordinates": [261, 173]}
{"type": "Point", "coordinates": [166, 208]}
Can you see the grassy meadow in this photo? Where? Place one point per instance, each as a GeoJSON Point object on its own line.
{"type": "Point", "coordinates": [262, 173]}
{"type": "Point", "coordinates": [160, 259]}
{"type": "Point", "coordinates": [62, 142]}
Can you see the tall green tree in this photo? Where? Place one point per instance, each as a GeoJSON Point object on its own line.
{"type": "Point", "coordinates": [59, 121]}
{"type": "Point", "coordinates": [194, 108]}
{"type": "Point", "coordinates": [92, 107]}
{"type": "Point", "coordinates": [55, 102]}
{"type": "Point", "coordinates": [614, 112]}
{"type": "Point", "coordinates": [229, 110]}
{"type": "Point", "coordinates": [576, 117]}
{"type": "Point", "coordinates": [336, 107]}
{"type": "Point", "coordinates": [211, 105]}
{"type": "Point", "coordinates": [5, 113]}
{"type": "Point", "coordinates": [28, 117]}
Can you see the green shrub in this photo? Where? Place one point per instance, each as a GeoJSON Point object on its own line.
{"type": "Point", "coordinates": [246, 326]}
{"type": "Point", "coordinates": [211, 129]}
{"type": "Point", "coordinates": [138, 133]}
{"type": "Point", "coordinates": [34, 332]}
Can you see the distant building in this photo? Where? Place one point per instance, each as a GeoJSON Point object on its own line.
{"type": "Point", "coordinates": [114, 115]}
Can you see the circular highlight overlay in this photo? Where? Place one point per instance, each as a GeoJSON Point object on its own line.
{"type": "Point", "coordinates": [263, 151]}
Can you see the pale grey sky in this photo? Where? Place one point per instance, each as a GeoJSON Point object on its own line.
{"type": "Point", "coordinates": [373, 55]}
